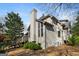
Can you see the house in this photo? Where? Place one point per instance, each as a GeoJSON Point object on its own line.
{"type": "Point", "coordinates": [47, 30]}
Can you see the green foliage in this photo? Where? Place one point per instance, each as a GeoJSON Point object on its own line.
{"type": "Point", "coordinates": [75, 27]}
{"type": "Point", "coordinates": [34, 41]}
{"type": "Point", "coordinates": [2, 37]}
{"type": "Point", "coordinates": [39, 44]}
{"type": "Point", "coordinates": [73, 40]}
{"type": "Point", "coordinates": [2, 46]}
{"type": "Point", "coordinates": [32, 45]}
{"type": "Point", "coordinates": [14, 25]}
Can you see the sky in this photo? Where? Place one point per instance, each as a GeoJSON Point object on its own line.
{"type": "Point", "coordinates": [24, 10]}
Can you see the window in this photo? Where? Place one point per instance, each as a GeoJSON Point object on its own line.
{"type": "Point", "coordinates": [58, 33]}
{"type": "Point", "coordinates": [50, 27]}
{"type": "Point", "coordinates": [41, 29]}
{"type": "Point", "coordinates": [38, 29]}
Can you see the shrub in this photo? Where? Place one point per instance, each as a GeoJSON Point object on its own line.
{"type": "Point", "coordinates": [1, 37]}
{"type": "Point", "coordinates": [39, 44]}
{"type": "Point", "coordinates": [32, 45]}
{"type": "Point", "coordinates": [34, 41]}
{"type": "Point", "coordinates": [73, 40]}
{"type": "Point", "coordinates": [2, 46]}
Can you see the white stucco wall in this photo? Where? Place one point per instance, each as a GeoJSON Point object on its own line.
{"type": "Point", "coordinates": [50, 38]}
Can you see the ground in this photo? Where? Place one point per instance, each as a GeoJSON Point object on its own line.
{"type": "Point", "coordinates": [63, 50]}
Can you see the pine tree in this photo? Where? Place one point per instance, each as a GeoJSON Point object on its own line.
{"type": "Point", "coordinates": [1, 32]}
{"type": "Point", "coordinates": [14, 26]}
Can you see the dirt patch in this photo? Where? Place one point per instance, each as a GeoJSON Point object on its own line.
{"type": "Point", "coordinates": [63, 50]}
{"type": "Point", "coordinates": [16, 52]}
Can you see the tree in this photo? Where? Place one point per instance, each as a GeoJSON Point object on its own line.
{"type": "Point", "coordinates": [73, 40]}
{"type": "Point", "coordinates": [52, 8]}
{"type": "Point", "coordinates": [60, 10]}
{"type": "Point", "coordinates": [1, 37]}
{"type": "Point", "coordinates": [14, 26]}
{"type": "Point", "coordinates": [75, 27]}
{"type": "Point", "coordinates": [1, 32]}
{"type": "Point", "coordinates": [1, 28]}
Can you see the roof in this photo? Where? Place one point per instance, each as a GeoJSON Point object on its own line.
{"type": "Point", "coordinates": [63, 20]}
{"type": "Point", "coordinates": [42, 18]}
{"type": "Point", "coordinates": [47, 16]}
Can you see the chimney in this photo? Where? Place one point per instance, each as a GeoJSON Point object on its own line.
{"type": "Point", "coordinates": [33, 25]}
{"type": "Point", "coordinates": [34, 14]}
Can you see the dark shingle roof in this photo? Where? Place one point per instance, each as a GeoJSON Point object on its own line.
{"type": "Point", "coordinates": [63, 20]}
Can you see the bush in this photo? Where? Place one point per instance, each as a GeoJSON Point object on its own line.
{"type": "Point", "coordinates": [34, 41]}
{"type": "Point", "coordinates": [32, 45]}
{"type": "Point", "coordinates": [1, 37]}
{"type": "Point", "coordinates": [39, 44]}
{"type": "Point", "coordinates": [73, 40]}
{"type": "Point", "coordinates": [2, 46]}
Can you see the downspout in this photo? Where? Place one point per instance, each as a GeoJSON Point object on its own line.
{"type": "Point", "coordinates": [45, 38]}
{"type": "Point", "coordinates": [45, 43]}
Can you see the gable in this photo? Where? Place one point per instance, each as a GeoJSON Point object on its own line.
{"type": "Point", "coordinates": [51, 20]}
{"type": "Point", "coordinates": [48, 20]}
